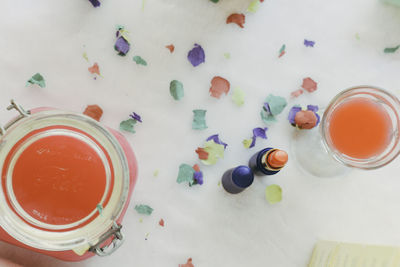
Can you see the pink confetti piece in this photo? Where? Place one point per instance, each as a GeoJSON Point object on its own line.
{"type": "Point", "coordinates": [219, 86]}
{"type": "Point", "coordinates": [309, 85]}
{"type": "Point", "coordinates": [94, 69]}
{"type": "Point", "coordinates": [161, 223]}
{"type": "Point", "coordinates": [187, 264]}
{"type": "Point", "coordinates": [297, 93]}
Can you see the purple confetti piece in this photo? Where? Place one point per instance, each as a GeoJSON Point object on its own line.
{"type": "Point", "coordinates": [260, 132]}
{"type": "Point", "coordinates": [309, 43]}
{"type": "Point", "coordinates": [136, 116]}
{"type": "Point", "coordinates": [292, 114]}
{"type": "Point", "coordinates": [266, 107]}
{"type": "Point", "coordinates": [196, 56]}
{"type": "Point", "coordinates": [253, 142]}
{"type": "Point", "coordinates": [314, 108]}
{"type": "Point", "coordinates": [216, 139]}
{"type": "Point", "coordinates": [122, 46]}
{"type": "Point", "coordinates": [198, 177]}
{"type": "Point", "coordinates": [95, 3]}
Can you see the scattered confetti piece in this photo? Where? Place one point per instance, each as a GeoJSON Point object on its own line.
{"type": "Point", "coordinates": [189, 261]}
{"type": "Point", "coordinates": [357, 36]}
{"type": "Point", "coordinates": [215, 151]}
{"type": "Point", "coordinates": [196, 56]}
{"type": "Point", "coordinates": [185, 174]}
{"type": "Point", "coordinates": [94, 69]}
{"type": "Point", "coordinates": [144, 209]}
{"type": "Point", "coordinates": [198, 178]}
{"type": "Point", "coordinates": [143, 4]}
{"type": "Point", "coordinates": [199, 119]}
{"type": "Point", "coordinates": [122, 44]}
{"type": "Point", "coordinates": [161, 223]}
{"type": "Point", "coordinates": [146, 236]}
{"type": "Point", "coordinates": [273, 106]}
{"type": "Point", "coordinates": [196, 167]}
{"type": "Point", "coordinates": [388, 50]}
{"type": "Point", "coordinates": [171, 48]}
{"type": "Point", "coordinates": [214, 1]}
{"type": "Point", "coordinates": [203, 155]}
{"type": "Point", "coordinates": [176, 89]}
{"type": "Point", "coordinates": [37, 79]}
{"type": "Point", "coordinates": [219, 183]}
{"type": "Point", "coordinates": [239, 19]}
{"type": "Point", "coordinates": [99, 208]}
{"type": "Point", "coordinates": [219, 85]}
{"type": "Point", "coordinates": [309, 43]}
{"type": "Point", "coordinates": [247, 142]}
{"type": "Point", "coordinates": [297, 93]}
{"type": "Point", "coordinates": [238, 96]}
{"type": "Point", "coordinates": [155, 173]}
{"type": "Point", "coordinates": [216, 139]}
{"type": "Point", "coordinates": [128, 125]}
{"type": "Point", "coordinates": [84, 55]}
{"type": "Point", "coordinates": [282, 51]}
{"type": "Point", "coordinates": [254, 6]}
{"type": "Point", "coordinates": [140, 220]}
{"type": "Point", "coordinates": [309, 85]}
{"type": "Point", "coordinates": [304, 119]}
{"type": "Point", "coordinates": [93, 111]}
{"type": "Point", "coordinates": [273, 194]}
{"type": "Point", "coordinates": [95, 3]}
{"type": "Point", "coordinates": [136, 117]}
{"type": "Point", "coordinates": [139, 60]}
{"type": "Point", "coordinates": [227, 55]}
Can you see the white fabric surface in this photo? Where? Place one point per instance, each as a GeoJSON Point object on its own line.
{"type": "Point", "coordinates": [204, 222]}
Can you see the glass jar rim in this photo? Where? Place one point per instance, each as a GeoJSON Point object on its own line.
{"type": "Point", "coordinates": [49, 239]}
{"type": "Point", "coordinates": [391, 101]}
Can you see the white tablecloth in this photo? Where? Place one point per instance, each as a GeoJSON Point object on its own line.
{"type": "Point", "coordinates": [204, 222]}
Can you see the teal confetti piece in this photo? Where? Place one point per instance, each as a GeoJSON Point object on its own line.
{"type": "Point", "coordinates": [37, 79]}
{"type": "Point", "coordinates": [199, 119]}
{"type": "Point", "coordinates": [276, 104]}
{"type": "Point", "coordinates": [144, 209]}
{"type": "Point", "coordinates": [185, 174]}
{"type": "Point", "coordinates": [139, 60]}
{"type": "Point", "coordinates": [128, 125]}
{"type": "Point", "coordinates": [389, 50]}
{"type": "Point", "coordinates": [176, 89]}
{"type": "Point", "coordinates": [267, 117]}
{"type": "Point", "coordinates": [99, 208]}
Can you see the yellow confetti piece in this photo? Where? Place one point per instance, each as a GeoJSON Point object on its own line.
{"type": "Point", "coordinates": [84, 55]}
{"type": "Point", "coordinates": [247, 142]}
{"type": "Point", "coordinates": [215, 151]}
{"type": "Point", "coordinates": [254, 6]}
{"type": "Point", "coordinates": [227, 55]}
{"type": "Point", "coordinates": [273, 193]}
{"type": "Point", "coordinates": [238, 96]}
{"type": "Point", "coordinates": [155, 173]}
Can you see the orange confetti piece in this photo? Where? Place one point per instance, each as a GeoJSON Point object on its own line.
{"type": "Point", "coordinates": [309, 85]}
{"type": "Point", "coordinates": [93, 111]}
{"type": "Point", "coordinates": [187, 264]}
{"type": "Point", "coordinates": [161, 222]}
{"type": "Point", "coordinates": [94, 69]}
{"type": "Point", "coordinates": [203, 155]}
{"type": "Point", "coordinates": [171, 48]}
{"type": "Point", "coordinates": [219, 85]}
{"type": "Point", "coordinates": [239, 19]}
{"type": "Point", "coordinates": [196, 167]}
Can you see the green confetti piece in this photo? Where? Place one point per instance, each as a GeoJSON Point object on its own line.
{"type": "Point", "coordinates": [357, 36]}
{"type": "Point", "coordinates": [37, 79]}
{"type": "Point", "coordinates": [227, 55]}
{"type": "Point", "coordinates": [276, 104]}
{"type": "Point", "coordinates": [144, 209]}
{"type": "Point", "coordinates": [214, 1]}
{"type": "Point", "coordinates": [282, 49]}
{"type": "Point", "coordinates": [155, 173]}
{"type": "Point", "coordinates": [119, 27]}
{"type": "Point", "coordinates": [267, 117]}
{"type": "Point", "coordinates": [128, 125]}
{"type": "Point", "coordinates": [388, 50]}
{"type": "Point", "coordinates": [199, 119]}
{"type": "Point", "coordinates": [185, 174]}
{"type": "Point", "coordinates": [176, 89]}
{"type": "Point", "coordinates": [219, 183]}
{"type": "Point", "coordinates": [143, 4]}
{"type": "Point", "coordinates": [273, 193]}
{"type": "Point", "coordinates": [254, 6]}
{"type": "Point", "coordinates": [99, 208]}
{"type": "Point", "coordinates": [238, 96]}
{"type": "Point", "coordinates": [247, 142]}
{"type": "Point", "coordinates": [139, 60]}
{"type": "Point", "coordinates": [84, 55]}
{"type": "Point", "coordinates": [215, 151]}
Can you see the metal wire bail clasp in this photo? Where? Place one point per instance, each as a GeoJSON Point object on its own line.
{"type": "Point", "coordinates": [118, 239]}
{"type": "Point", "coordinates": [22, 114]}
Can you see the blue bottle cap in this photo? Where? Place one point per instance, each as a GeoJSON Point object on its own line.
{"type": "Point", "coordinates": [242, 176]}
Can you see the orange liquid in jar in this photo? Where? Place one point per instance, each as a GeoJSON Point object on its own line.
{"type": "Point", "coordinates": [59, 180]}
{"type": "Point", "coordinates": [360, 128]}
